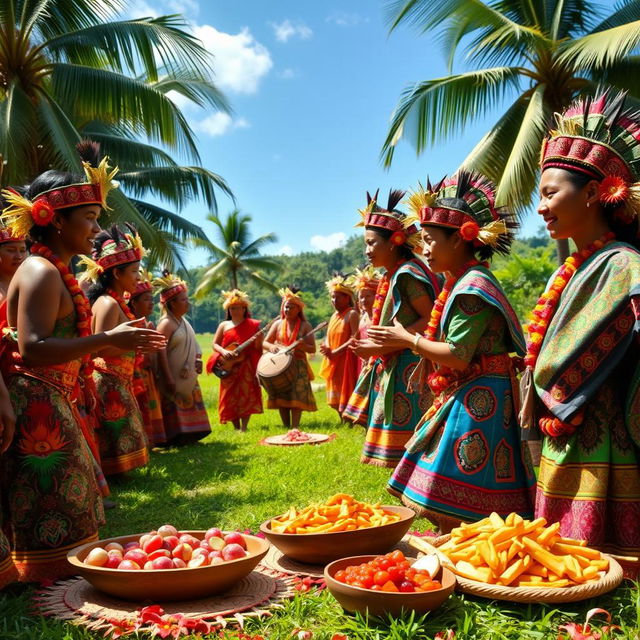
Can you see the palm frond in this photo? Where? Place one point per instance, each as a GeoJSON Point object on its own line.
{"type": "Point", "coordinates": [624, 74]}
{"type": "Point", "coordinates": [432, 110]}
{"type": "Point", "coordinates": [601, 49]}
{"type": "Point", "coordinates": [253, 248]}
{"type": "Point", "coordinates": [198, 89]}
{"type": "Point", "coordinates": [262, 263]}
{"type": "Point", "coordinates": [570, 18]}
{"type": "Point", "coordinates": [213, 276]}
{"type": "Point", "coordinates": [112, 97]}
{"type": "Point", "coordinates": [520, 169]}
{"type": "Point", "coordinates": [165, 221]}
{"type": "Point", "coordinates": [624, 13]}
{"type": "Point", "coordinates": [257, 277]}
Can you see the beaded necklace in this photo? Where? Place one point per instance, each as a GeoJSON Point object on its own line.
{"type": "Point", "coordinates": [441, 378]}
{"type": "Point", "coordinates": [542, 314]}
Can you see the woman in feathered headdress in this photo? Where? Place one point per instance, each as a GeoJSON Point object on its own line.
{"type": "Point", "coordinates": [583, 376]}
{"type": "Point", "coordinates": [146, 367]}
{"type": "Point", "coordinates": [468, 444]}
{"type": "Point", "coordinates": [50, 344]}
{"type": "Point", "coordinates": [13, 251]}
{"type": "Point", "coordinates": [339, 363]}
{"type": "Point", "coordinates": [240, 393]}
{"type": "Point", "coordinates": [114, 270]}
{"type": "Point", "coordinates": [406, 291]}
{"type": "Point", "coordinates": [291, 327]}
{"type": "Point", "coordinates": [183, 411]}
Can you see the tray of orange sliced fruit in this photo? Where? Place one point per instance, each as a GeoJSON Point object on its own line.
{"type": "Point", "coordinates": [523, 561]}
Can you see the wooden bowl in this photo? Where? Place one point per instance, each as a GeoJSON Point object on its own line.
{"type": "Point", "coordinates": [167, 585]}
{"type": "Point", "coordinates": [319, 548]}
{"type": "Point", "coordinates": [379, 603]}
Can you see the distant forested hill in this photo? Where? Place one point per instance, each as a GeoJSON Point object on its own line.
{"type": "Point", "coordinates": [523, 276]}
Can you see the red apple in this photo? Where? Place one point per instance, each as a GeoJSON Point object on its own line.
{"type": "Point", "coordinates": [152, 544]}
{"type": "Point", "coordinates": [205, 545]}
{"type": "Point", "coordinates": [148, 566]}
{"type": "Point", "coordinates": [132, 545]}
{"type": "Point", "coordinates": [137, 555]}
{"type": "Point", "coordinates": [198, 561]}
{"type": "Point", "coordinates": [113, 561]}
{"type": "Point", "coordinates": [182, 551]}
{"type": "Point", "coordinates": [214, 532]}
{"type": "Point", "coordinates": [163, 563]}
{"type": "Point", "coordinates": [190, 540]}
{"type": "Point", "coordinates": [216, 544]}
{"type": "Point", "coordinates": [235, 538]}
{"type": "Point", "coordinates": [144, 538]}
{"type": "Point", "coordinates": [233, 551]}
{"type": "Point", "coordinates": [167, 530]}
{"type": "Point", "coordinates": [97, 557]}
{"type": "Point", "coordinates": [170, 542]}
{"type": "Point", "coordinates": [159, 553]}
{"type": "Point", "coordinates": [214, 554]}
{"type": "Point", "coordinates": [199, 552]}
{"type": "Point", "coordinates": [114, 546]}
{"type": "Point", "coordinates": [214, 561]}
{"type": "Point", "coordinates": [129, 565]}
{"type": "Point", "coordinates": [179, 564]}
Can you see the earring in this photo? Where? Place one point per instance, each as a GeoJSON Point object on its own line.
{"type": "Point", "coordinates": [588, 203]}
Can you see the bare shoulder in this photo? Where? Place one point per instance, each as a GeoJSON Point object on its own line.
{"type": "Point", "coordinates": [305, 327]}
{"type": "Point", "coordinates": [105, 304]}
{"type": "Point", "coordinates": [166, 323]}
{"type": "Point", "coordinates": [37, 272]}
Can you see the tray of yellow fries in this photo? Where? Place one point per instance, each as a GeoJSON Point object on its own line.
{"type": "Point", "coordinates": [522, 561]}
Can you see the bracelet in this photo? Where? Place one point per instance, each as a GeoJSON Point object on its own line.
{"type": "Point", "coordinates": [415, 343]}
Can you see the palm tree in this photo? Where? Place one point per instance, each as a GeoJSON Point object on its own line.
{"type": "Point", "coordinates": [544, 53]}
{"type": "Point", "coordinates": [235, 254]}
{"type": "Point", "coordinates": [69, 69]}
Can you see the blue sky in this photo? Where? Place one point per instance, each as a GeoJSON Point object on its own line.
{"type": "Point", "coordinates": [312, 85]}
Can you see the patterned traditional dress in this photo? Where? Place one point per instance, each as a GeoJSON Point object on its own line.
{"type": "Point", "coordinates": [184, 412]}
{"type": "Point", "coordinates": [590, 481]}
{"type": "Point", "coordinates": [299, 395]}
{"type": "Point", "coordinates": [380, 401]}
{"type": "Point", "coordinates": [466, 459]}
{"type": "Point", "coordinates": [121, 434]}
{"type": "Point", "coordinates": [341, 371]}
{"type": "Point", "coordinates": [51, 500]}
{"type": "Point", "coordinates": [240, 393]}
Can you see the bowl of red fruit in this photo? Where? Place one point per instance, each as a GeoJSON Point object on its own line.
{"type": "Point", "coordinates": [168, 565]}
{"type": "Point", "coordinates": [389, 584]}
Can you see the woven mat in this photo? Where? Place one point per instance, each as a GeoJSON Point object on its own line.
{"type": "Point", "coordinates": [315, 438]}
{"type": "Point", "coordinates": [275, 560]}
{"type": "Point", "coordinates": [75, 600]}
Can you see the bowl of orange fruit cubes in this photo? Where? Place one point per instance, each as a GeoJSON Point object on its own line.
{"type": "Point", "coordinates": [389, 584]}
{"type": "Point", "coordinates": [523, 560]}
{"type": "Point", "coordinates": [341, 526]}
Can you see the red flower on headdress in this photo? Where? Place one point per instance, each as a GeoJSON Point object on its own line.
{"type": "Point", "coordinates": [42, 212]}
{"type": "Point", "coordinates": [613, 190]}
{"type": "Point", "coordinates": [398, 238]}
{"type": "Point", "coordinates": [469, 231]}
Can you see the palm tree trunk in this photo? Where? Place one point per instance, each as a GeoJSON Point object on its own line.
{"type": "Point", "coordinates": [234, 279]}
{"type": "Point", "coordinates": [562, 249]}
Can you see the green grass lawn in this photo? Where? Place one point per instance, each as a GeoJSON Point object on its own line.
{"type": "Point", "coordinates": [229, 480]}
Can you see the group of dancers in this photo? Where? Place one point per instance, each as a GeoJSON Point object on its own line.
{"type": "Point", "coordinates": [429, 366]}
{"type": "Point", "coordinates": [432, 361]}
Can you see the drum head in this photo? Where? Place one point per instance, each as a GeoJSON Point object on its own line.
{"type": "Point", "coordinates": [273, 364]}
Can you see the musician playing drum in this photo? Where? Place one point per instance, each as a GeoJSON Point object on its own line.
{"type": "Point", "coordinates": [291, 326]}
{"type": "Point", "coordinates": [240, 393]}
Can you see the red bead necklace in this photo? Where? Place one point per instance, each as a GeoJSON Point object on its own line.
{"type": "Point", "coordinates": [123, 305]}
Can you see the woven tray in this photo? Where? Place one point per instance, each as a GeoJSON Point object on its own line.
{"type": "Point", "coordinates": [607, 582]}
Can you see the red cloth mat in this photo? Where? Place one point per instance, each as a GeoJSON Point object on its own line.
{"type": "Point", "coordinates": [279, 440]}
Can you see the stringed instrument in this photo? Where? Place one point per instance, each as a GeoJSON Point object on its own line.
{"type": "Point", "coordinates": [225, 367]}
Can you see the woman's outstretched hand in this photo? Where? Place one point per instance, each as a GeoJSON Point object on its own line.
{"type": "Point", "coordinates": [134, 336]}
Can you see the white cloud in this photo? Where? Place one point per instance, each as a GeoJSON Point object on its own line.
{"type": "Point", "coordinates": [141, 9]}
{"type": "Point", "coordinates": [187, 7]}
{"type": "Point", "coordinates": [287, 74]}
{"type": "Point", "coordinates": [219, 123]}
{"type": "Point", "coordinates": [285, 250]}
{"type": "Point", "coordinates": [327, 243]}
{"type": "Point", "coordinates": [145, 9]}
{"type": "Point", "coordinates": [346, 19]}
{"type": "Point", "coordinates": [287, 30]}
{"type": "Point", "coordinates": [240, 61]}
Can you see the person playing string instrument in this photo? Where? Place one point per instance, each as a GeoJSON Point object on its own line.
{"type": "Point", "coordinates": [114, 270]}
{"type": "Point", "coordinates": [240, 392]}
{"type": "Point", "coordinates": [51, 498]}
{"type": "Point", "coordinates": [339, 363]}
{"type": "Point", "coordinates": [465, 459]}
{"type": "Point", "coordinates": [292, 326]}
{"type": "Point", "coordinates": [381, 401]}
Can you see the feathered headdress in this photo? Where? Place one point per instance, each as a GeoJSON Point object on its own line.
{"type": "Point", "coordinates": [169, 286]}
{"type": "Point", "coordinates": [466, 201]}
{"type": "Point", "coordinates": [600, 137]}
{"type": "Point", "coordinates": [120, 248]}
{"type": "Point", "coordinates": [22, 214]}
{"type": "Point", "coordinates": [287, 295]}
{"type": "Point", "coordinates": [404, 231]}
{"type": "Point", "coordinates": [367, 278]}
{"type": "Point", "coordinates": [341, 284]}
{"type": "Point", "coordinates": [144, 285]}
{"type": "Point", "coordinates": [235, 296]}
